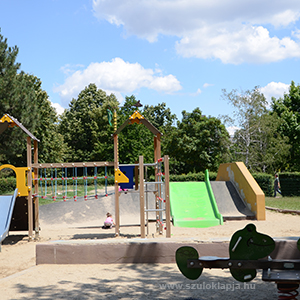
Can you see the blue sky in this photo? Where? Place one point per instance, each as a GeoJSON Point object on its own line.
{"type": "Point", "coordinates": [179, 52]}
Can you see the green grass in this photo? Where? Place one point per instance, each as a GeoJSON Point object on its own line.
{"type": "Point", "coordinates": [292, 203]}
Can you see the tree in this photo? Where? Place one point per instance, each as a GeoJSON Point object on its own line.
{"type": "Point", "coordinates": [86, 128]}
{"type": "Point", "coordinates": [200, 143]}
{"type": "Point", "coordinates": [21, 96]}
{"type": "Point", "coordinates": [52, 147]}
{"type": "Point", "coordinates": [134, 139]}
{"type": "Point", "coordinates": [268, 150]}
{"type": "Point", "coordinates": [8, 72]}
{"type": "Point", "coordinates": [288, 110]}
{"type": "Point", "coordinates": [161, 117]}
{"type": "Point", "coordinates": [255, 142]}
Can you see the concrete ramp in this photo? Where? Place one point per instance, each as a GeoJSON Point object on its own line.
{"type": "Point", "coordinates": [229, 202]}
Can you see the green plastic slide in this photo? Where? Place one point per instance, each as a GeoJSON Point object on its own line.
{"type": "Point", "coordinates": [193, 205]}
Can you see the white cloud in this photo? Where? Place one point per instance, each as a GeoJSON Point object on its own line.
{"type": "Point", "coordinates": [59, 109]}
{"type": "Point", "coordinates": [249, 44]}
{"type": "Point", "coordinates": [198, 92]}
{"type": "Point", "coordinates": [117, 76]}
{"type": "Point", "coordinates": [229, 30]}
{"type": "Point", "coordinates": [274, 89]}
{"type": "Point", "coordinates": [206, 85]}
{"type": "Point", "coordinates": [69, 69]}
{"type": "Point", "coordinates": [232, 129]}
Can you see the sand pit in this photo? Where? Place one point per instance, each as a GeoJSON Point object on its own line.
{"type": "Point", "coordinates": [20, 278]}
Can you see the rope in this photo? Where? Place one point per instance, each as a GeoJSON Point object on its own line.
{"type": "Point", "coordinates": [75, 183]}
{"type": "Point", "coordinates": [85, 182]}
{"type": "Point", "coordinates": [65, 183]}
{"type": "Point", "coordinates": [95, 182]}
{"type": "Point", "coordinates": [105, 176]}
{"type": "Point", "coordinates": [53, 184]}
{"type": "Point", "coordinates": [54, 187]}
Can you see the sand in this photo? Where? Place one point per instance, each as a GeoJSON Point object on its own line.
{"type": "Point", "coordinates": [20, 278]}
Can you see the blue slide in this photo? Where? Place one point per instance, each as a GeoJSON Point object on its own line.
{"type": "Point", "coordinates": [7, 204]}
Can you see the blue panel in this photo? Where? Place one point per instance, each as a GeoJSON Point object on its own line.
{"type": "Point", "coordinates": [128, 171]}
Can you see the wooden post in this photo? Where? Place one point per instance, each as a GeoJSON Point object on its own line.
{"type": "Point", "coordinates": [158, 146]}
{"type": "Point", "coordinates": [157, 155]}
{"type": "Point", "coordinates": [142, 199]}
{"type": "Point", "coordinates": [136, 176]}
{"type": "Point", "coordinates": [36, 191]}
{"type": "Point", "coordinates": [29, 184]}
{"type": "Point", "coordinates": [117, 202]}
{"type": "Point", "coordinates": [155, 147]}
{"type": "Point", "coordinates": [167, 194]}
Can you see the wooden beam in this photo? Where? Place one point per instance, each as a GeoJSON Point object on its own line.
{"type": "Point", "coordinates": [157, 204]}
{"type": "Point", "coordinates": [74, 164]}
{"type": "Point", "coordinates": [158, 147]}
{"type": "Point", "coordinates": [167, 195]}
{"type": "Point", "coordinates": [36, 191]}
{"type": "Point", "coordinates": [136, 176]}
{"type": "Point", "coordinates": [142, 199]}
{"type": "Point", "coordinates": [117, 204]}
{"type": "Point", "coordinates": [29, 183]}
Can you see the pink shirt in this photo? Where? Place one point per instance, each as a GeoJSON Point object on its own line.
{"type": "Point", "coordinates": [109, 220]}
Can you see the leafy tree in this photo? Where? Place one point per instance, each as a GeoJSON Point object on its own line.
{"type": "Point", "coordinates": [161, 117]}
{"type": "Point", "coordinates": [255, 143]}
{"type": "Point", "coordinates": [86, 128]}
{"type": "Point", "coordinates": [52, 147]}
{"type": "Point", "coordinates": [8, 72]}
{"type": "Point", "coordinates": [268, 150]}
{"type": "Point", "coordinates": [200, 143]}
{"type": "Point", "coordinates": [21, 96]}
{"type": "Point", "coordinates": [135, 139]}
{"type": "Point", "coordinates": [288, 110]}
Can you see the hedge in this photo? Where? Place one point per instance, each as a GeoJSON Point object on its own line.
{"type": "Point", "coordinates": [190, 177]}
{"type": "Point", "coordinates": [266, 182]}
{"type": "Point", "coordinates": [7, 185]}
{"type": "Point", "coordinates": [290, 182]}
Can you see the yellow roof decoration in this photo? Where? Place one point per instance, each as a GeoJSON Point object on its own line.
{"type": "Point", "coordinates": [136, 117]}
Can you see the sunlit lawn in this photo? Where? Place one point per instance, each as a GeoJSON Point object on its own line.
{"type": "Point", "coordinates": [292, 203]}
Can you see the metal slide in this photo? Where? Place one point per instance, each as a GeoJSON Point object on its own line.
{"type": "Point", "coordinates": [193, 205]}
{"type": "Point", "coordinates": [7, 204]}
{"type": "Point", "coordinates": [229, 202]}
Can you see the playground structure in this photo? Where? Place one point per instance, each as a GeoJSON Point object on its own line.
{"type": "Point", "coordinates": [26, 208]}
{"type": "Point", "coordinates": [212, 209]}
{"type": "Point", "coordinates": [248, 250]}
{"type": "Point", "coordinates": [162, 205]}
{"type": "Point", "coordinates": [46, 176]}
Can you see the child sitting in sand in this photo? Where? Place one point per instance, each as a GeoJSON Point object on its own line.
{"type": "Point", "coordinates": [109, 222]}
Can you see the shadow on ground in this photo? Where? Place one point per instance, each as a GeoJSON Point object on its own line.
{"type": "Point", "coordinates": [99, 236]}
{"type": "Point", "coordinates": [14, 239]}
{"type": "Point", "coordinates": [148, 282]}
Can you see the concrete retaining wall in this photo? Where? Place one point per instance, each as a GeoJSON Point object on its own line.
{"type": "Point", "coordinates": [139, 251]}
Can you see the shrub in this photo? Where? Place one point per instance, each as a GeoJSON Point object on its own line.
{"type": "Point", "coordinates": [265, 181]}
{"type": "Point", "coordinates": [7, 185]}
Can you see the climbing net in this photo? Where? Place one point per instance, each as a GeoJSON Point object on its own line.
{"type": "Point", "coordinates": [71, 183]}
